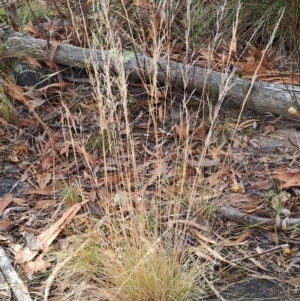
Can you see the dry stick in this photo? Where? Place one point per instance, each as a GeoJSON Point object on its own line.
{"type": "Point", "coordinates": [243, 218]}
{"type": "Point", "coordinates": [19, 289]}
{"type": "Point", "coordinates": [77, 80]}
{"type": "Point", "coordinates": [281, 247]}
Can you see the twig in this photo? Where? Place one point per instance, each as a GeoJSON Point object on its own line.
{"type": "Point", "coordinates": [67, 127]}
{"type": "Point", "coordinates": [278, 248]}
{"type": "Point", "coordinates": [19, 289]}
{"type": "Point", "coordinates": [248, 219]}
{"type": "Point", "coordinates": [77, 80]}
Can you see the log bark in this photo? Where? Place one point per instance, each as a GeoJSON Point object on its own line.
{"type": "Point", "coordinates": [13, 279]}
{"type": "Point", "coordinates": [263, 96]}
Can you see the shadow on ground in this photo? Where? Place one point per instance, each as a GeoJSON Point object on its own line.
{"type": "Point", "coordinates": [258, 290]}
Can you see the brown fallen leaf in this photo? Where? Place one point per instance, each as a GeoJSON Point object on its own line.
{"type": "Point", "coordinates": [269, 129]}
{"type": "Point", "coordinates": [112, 179]}
{"type": "Point", "coordinates": [5, 201]}
{"type": "Point", "coordinates": [290, 176]}
{"type": "Point", "coordinates": [142, 3]}
{"type": "Point", "coordinates": [156, 21]}
{"type": "Point", "coordinates": [6, 225]}
{"type": "Point", "coordinates": [261, 55]}
{"type": "Point", "coordinates": [142, 205]}
{"type": "Point", "coordinates": [46, 238]}
{"type": "Point", "coordinates": [42, 191]}
{"type": "Point", "coordinates": [42, 204]}
{"type": "Point", "coordinates": [86, 155]}
{"type": "Point", "coordinates": [59, 85]}
{"type": "Point", "coordinates": [216, 177]}
{"type": "Point", "coordinates": [26, 122]}
{"type": "Point", "coordinates": [245, 202]}
{"type": "Point", "coordinates": [16, 92]}
{"type": "Point", "coordinates": [181, 131]}
{"type": "Point", "coordinates": [43, 179]}
{"type": "Point", "coordinates": [47, 153]}
{"type": "Point", "coordinates": [260, 184]}
{"type": "Point", "coordinates": [258, 264]}
{"type": "Point", "coordinates": [39, 265]}
{"type": "Point", "coordinates": [243, 236]}
{"type": "Point", "coordinates": [33, 61]}
{"type": "Point", "coordinates": [199, 236]}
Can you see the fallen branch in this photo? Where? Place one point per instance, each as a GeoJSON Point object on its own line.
{"type": "Point", "coordinates": [264, 96]}
{"type": "Point", "coordinates": [19, 289]}
{"type": "Point", "coordinates": [5, 289]}
{"type": "Point", "coordinates": [247, 219]}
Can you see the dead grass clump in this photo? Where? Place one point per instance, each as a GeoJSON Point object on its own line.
{"type": "Point", "coordinates": [122, 264]}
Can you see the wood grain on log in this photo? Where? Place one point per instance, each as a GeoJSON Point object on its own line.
{"type": "Point", "coordinates": [13, 279]}
{"type": "Point", "coordinates": [263, 97]}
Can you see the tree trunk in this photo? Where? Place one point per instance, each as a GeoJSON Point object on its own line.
{"type": "Point", "coordinates": [262, 96]}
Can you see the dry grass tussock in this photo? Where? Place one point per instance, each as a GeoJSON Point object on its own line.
{"type": "Point", "coordinates": [142, 249]}
{"type": "Point", "coordinates": [130, 264]}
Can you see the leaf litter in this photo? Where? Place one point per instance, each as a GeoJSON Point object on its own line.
{"type": "Point", "coordinates": [54, 149]}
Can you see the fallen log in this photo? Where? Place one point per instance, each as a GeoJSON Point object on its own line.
{"type": "Point", "coordinates": [261, 96]}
